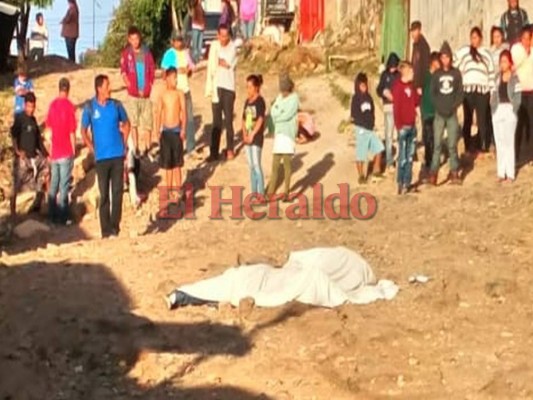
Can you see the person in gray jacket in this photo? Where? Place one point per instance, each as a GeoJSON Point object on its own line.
{"type": "Point", "coordinates": [505, 103]}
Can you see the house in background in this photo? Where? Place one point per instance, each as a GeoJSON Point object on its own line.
{"type": "Point", "coordinates": [452, 20]}
{"type": "Point", "coordinates": [8, 21]}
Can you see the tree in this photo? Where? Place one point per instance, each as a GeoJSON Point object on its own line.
{"type": "Point", "coordinates": [155, 20]}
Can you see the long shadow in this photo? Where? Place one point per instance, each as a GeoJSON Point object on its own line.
{"type": "Point", "coordinates": [67, 332]}
{"type": "Point", "coordinates": [296, 164]}
{"type": "Point", "coordinates": [314, 174]}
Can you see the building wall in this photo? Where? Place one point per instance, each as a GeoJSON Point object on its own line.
{"type": "Point", "coordinates": [452, 19]}
{"type": "Point", "coordinates": [337, 10]}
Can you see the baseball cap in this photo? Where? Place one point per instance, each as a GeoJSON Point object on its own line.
{"type": "Point", "coordinates": [416, 25]}
{"type": "Point", "coordinates": [64, 84]}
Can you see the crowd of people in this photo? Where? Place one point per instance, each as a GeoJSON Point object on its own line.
{"type": "Point", "coordinates": [493, 83]}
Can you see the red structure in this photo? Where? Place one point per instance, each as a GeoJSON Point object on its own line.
{"type": "Point", "coordinates": [311, 19]}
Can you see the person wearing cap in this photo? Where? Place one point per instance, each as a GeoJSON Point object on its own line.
{"type": "Point", "coordinates": [179, 57]}
{"type": "Point", "coordinates": [420, 56]}
{"type": "Point", "coordinates": [61, 120]}
{"type": "Point", "coordinates": [137, 68]}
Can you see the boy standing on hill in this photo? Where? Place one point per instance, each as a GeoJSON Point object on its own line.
{"type": "Point", "coordinates": [22, 86]}
{"type": "Point", "coordinates": [171, 122]}
{"type": "Point", "coordinates": [447, 96]}
{"type": "Point", "coordinates": [367, 142]}
{"type": "Point", "coordinates": [384, 90]}
{"type": "Point", "coordinates": [428, 111]}
{"type": "Point", "coordinates": [138, 72]}
{"type": "Point", "coordinates": [406, 101]}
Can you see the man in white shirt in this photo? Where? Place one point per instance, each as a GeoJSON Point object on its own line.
{"type": "Point", "coordinates": [220, 87]}
{"type": "Point", "coordinates": [38, 38]}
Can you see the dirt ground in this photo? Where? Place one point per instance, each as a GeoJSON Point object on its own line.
{"type": "Point", "coordinates": [83, 318]}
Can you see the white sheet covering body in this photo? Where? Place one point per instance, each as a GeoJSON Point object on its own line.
{"type": "Point", "coordinates": [326, 277]}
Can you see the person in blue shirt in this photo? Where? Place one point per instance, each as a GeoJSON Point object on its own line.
{"type": "Point", "coordinates": [108, 121]}
{"type": "Point", "coordinates": [22, 86]}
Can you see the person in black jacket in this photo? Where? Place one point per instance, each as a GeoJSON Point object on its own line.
{"type": "Point", "coordinates": [447, 96]}
{"type": "Point", "coordinates": [513, 21]}
{"type": "Point", "coordinates": [384, 90]}
{"type": "Point", "coordinates": [367, 142]}
{"type": "Point", "coordinates": [420, 56]}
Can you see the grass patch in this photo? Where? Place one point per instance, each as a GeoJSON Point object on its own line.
{"type": "Point", "coordinates": [340, 94]}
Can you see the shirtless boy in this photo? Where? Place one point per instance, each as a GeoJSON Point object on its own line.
{"type": "Point", "coordinates": [172, 117]}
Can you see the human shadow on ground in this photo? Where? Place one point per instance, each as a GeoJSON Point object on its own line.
{"type": "Point", "coordinates": [315, 174]}
{"type": "Point", "coordinates": [296, 163]}
{"type": "Point", "coordinates": [67, 331]}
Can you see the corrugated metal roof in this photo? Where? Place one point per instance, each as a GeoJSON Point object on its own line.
{"type": "Point", "coordinates": [8, 9]}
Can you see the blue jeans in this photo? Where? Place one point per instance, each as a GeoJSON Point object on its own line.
{"type": "Point", "coordinates": [197, 44]}
{"type": "Point", "coordinates": [61, 171]}
{"type": "Point", "coordinates": [248, 29]}
{"type": "Point", "coordinates": [253, 154]}
{"type": "Point", "coordinates": [406, 151]}
{"type": "Point", "coordinates": [190, 131]}
{"type": "Point", "coordinates": [389, 132]}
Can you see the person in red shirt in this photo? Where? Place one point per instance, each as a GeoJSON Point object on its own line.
{"type": "Point", "coordinates": [62, 122]}
{"type": "Point", "coordinates": [405, 101]}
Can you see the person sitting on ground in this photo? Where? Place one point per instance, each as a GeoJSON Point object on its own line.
{"type": "Point", "coordinates": [505, 103]}
{"type": "Point", "coordinates": [170, 124]}
{"type": "Point", "coordinates": [513, 21]}
{"type": "Point", "coordinates": [284, 114]}
{"type": "Point", "coordinates": [367, 141]}
{"type": "Point", "coordinates": [384, 90]}
{"type": "Point", "coordinates": [405, 102]}
{"type": "Point", "coordinates": [61, 120]}
{"type": "Point", "coordinates": [38, 38]}
{"type": "Point", "coordinates": [22, 86]}
{"type": "Point", "coordinates": [253, 127]}
{"type": "Point", "coordinates": [306, 128]}
{"type": "Point", "coordinates": [30, 165]}
{"type": "Point", "coordinates": [447, 97]}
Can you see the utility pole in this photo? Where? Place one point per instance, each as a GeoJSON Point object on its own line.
{"type": "Point", "coordinates": [94, 24]}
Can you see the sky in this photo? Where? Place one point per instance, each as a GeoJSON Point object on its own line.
{"type": "Point", "coordinates": [103, 12]}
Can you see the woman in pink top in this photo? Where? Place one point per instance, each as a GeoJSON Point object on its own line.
{"type": "Point", "coordinates": [248, 10]}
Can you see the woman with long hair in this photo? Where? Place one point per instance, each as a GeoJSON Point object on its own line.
{"type": "Point", "coordinates": [477, 68]}
{"type": "Point", "coordinates": [505, 103]}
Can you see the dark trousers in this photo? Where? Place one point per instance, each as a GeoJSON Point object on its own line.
{"type": "Point", "coordinates": [110, 175]}
{"type": "Point", "coordinates": [71, 48]}
{"type": "Point", "coordinates": [429, 140]}
{"type": "Point", "coordinates": [480, 104]}
{"type": "Point", "coordinates": [225, 106]}
{"type": "Point", "coordinates": [525, 122]}
{"type": "Point", "coordinates": [36, 54]}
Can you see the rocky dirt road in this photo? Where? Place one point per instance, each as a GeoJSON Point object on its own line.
{"type": "Point", "coordinates": [82, 318]}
